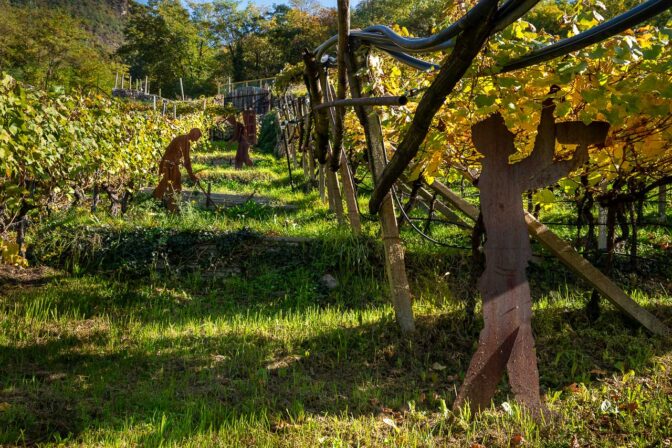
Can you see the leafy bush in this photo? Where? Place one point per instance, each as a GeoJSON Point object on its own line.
{"type": "Point", "coordinates": [268, 136]}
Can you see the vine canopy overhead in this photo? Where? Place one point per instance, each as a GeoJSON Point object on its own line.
{"type": "Point", "coordinates": [405, 50]}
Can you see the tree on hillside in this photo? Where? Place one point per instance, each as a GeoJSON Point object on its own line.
{"type": "Point", "coordinates": [49, 48]}
{"type": "Point", "coordinates": [163, 43]}
{"type": "Point", "coordinates": [419, 16]}
{"type": "Point", "coordinates": [229, 26]}
{"type": "Point", "coordinates": [293, 29]}
{"type": "Point", "coordinates": [103, 18]}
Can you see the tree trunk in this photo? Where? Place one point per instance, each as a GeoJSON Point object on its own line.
{"type": "Point", "coordinates": [430, 216]}
{"type": "Point", "coordinates": [95, 198]}
{"type": "Point", "coordinates": [21, 235]}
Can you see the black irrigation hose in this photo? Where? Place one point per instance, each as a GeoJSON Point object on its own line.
{"type": "Point", "coordinates": [393, 192]}
{"type": "Point", "coordinates": [382, 36]}
{"type": "Point", "coordinates": [417, 230]}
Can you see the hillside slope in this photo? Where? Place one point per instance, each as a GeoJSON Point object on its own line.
{"type": "Point", "coordinates": [104, 18]}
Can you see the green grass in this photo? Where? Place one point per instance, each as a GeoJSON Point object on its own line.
{"type": "Point", "coordinates": [112, 349]}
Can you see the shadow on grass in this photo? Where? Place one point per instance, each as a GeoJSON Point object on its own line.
{"type": "Point", "coordinates": [76, 382]}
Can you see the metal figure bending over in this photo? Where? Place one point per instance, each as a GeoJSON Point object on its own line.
{"type": "Point", "coordinates": [177, 153]}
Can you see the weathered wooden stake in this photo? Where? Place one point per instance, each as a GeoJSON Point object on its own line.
{"type": "Point", "coordinates": [335, 198]}
{"type": "Point", "coordinates": [394, 248]}
{"type": "Point", "coordinates": [116, 80]}
{"type": "Point", "coordinates": [343, 166]}
{"type": "Point", "coordinates": [321, 184]}
{"type": "Point", "coordinates": [182, 89]}
{"type": "Point", "coordinates": [601, 228]}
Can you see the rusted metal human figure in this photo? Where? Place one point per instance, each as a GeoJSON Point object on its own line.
{"type": "Point", "coordinates": [240, 136]}
{"type": "Point", "coordinates": [506, 341]}
{"type": "Point", "coordinates": [177, 153]}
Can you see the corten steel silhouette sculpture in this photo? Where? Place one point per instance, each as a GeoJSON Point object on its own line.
{"type": "Point", "coordinates": [240, 136]}
{"type": "Point", "coordinates": [506, 341]}
{"type": "Point", "coordinates": [250, 123]}
{"type": "Point", "coordinates": [176, 154]}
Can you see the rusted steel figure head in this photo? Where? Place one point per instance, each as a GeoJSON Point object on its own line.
{"type": "Point", "coordinates": [195, 134]}
{"type": "Point", "coordinates": [492, 138]}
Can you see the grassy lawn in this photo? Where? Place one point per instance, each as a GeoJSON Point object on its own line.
{"type": "Point", "coordinates": [217, 328]}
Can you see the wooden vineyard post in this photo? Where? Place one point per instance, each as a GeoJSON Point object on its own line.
{"type": "Point", "coordinates": [662, 203]}
{"type": "Point", "coordinates": [289, 165]}
{"type": "Point", "coordinates": [343, 166]}
{"type": "Point", "coordinates": [308, 147]}
{"type": "Point", "coordinates": [304, 165]}
{"type": "Point", "coordinates": [334, 192]}
{"type": "Point", "coordinates": [321, 184]}
{"type": "Point", "coordinates": [341, 81]}
{"type": "Point", "coordinates": [316, 79]}
{"type": "Point", "coordinates": [301, 118]}
{"type": "Point", "coordinates": [350, 195]}
{"type": "Point", "coordinates": [394, 249]}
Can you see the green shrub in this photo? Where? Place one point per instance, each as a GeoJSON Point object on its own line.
{"type": "Point", "coordinates": [268, 136]}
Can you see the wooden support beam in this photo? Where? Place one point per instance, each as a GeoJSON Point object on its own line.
{"type": "Point", "coordinates": [468, 209]}
{"type": "Point", "coordinates": [572, 259]}
{"type": "Point", "coordinates": [439, 206]}
{"type": "Point", "coordinates": [366, 101]}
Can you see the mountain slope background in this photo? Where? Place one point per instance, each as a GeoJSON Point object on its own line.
{"type": "Point", "coordinates": [105, 19]}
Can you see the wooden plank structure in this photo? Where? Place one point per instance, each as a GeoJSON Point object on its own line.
{"type": "Point", "coordinates": [257, 99]}
{"type": "Point", "coordinates": [570, 258]}
{"type": "Point", "coordinates": [250, 122]}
